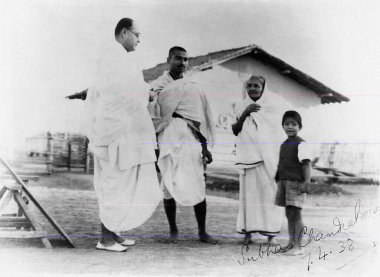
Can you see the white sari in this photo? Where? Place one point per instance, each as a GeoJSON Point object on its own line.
{"type": "Point", "coordinates": [257, 159]}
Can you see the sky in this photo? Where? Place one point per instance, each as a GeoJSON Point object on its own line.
{"type": "Point", "coordinates": [49, 48]}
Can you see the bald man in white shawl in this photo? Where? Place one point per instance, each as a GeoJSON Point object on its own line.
{"type": "Point", "coordinates": [256, 158]}
{"type": "Point", "coordinates": [183, 121]}
{"type": "Point", "coordinates": [122, 139]}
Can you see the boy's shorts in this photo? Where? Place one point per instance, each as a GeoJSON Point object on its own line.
{"type": "Point", "coordinates": [288, 194]}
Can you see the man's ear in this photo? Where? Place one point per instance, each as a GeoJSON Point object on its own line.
{"type": "Point", "coordinates": [168, 59]}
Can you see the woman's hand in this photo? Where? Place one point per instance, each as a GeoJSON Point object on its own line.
{"type": "Point", "coordinates": [252, 108]}
{"type": "Point", "coordinates": [237, 127]}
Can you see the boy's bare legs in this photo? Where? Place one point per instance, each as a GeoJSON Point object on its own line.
{"type": "Point", "coordinates": [295, 225]}
{"type": "Point", "coordinates": [288, 212]}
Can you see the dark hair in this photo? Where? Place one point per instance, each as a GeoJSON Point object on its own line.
{"type": "Point", "coordinates": [176, 48]}
{"type": "Point", "coordinates": [292, 114]}
{"type": "Point", "coordinates": [123, 23]}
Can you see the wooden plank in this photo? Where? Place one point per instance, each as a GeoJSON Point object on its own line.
{"type": "Point", "coordinates": [2, 191]}
{"type": "Point", "coordinates": [22, 177]}
{"type": "Point", "coordinates": [4, 201]}
{"type": "Point", "coordinates": [23, 234]}
{"type": "Point", "coordinates": [35, 202]}
{"type": "Point", "coordinates": [13, 219]}
{"type": "Point", "coordinates": [17, 222]}
{"type": "Point", "coordinates": [7, 215]}
{"type": "Point", "coordinates": [13, 186]}
{"type": "Point", "coordinates": [32, 161]}
{"type": "Point", "coordinates": [33, 220]}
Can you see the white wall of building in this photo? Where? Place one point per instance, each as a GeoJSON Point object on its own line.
{"type": "Point", "coordinates": [224, 86]}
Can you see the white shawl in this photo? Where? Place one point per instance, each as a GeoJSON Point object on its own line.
{"type": "Point", "coordinates": [186, 98]}
{"type": "Point", "coordinates": [116, 109]}
{"type": "Point", "coordinates": [155, 89]}
{"type": "Point", "coordinates": [257, 134]}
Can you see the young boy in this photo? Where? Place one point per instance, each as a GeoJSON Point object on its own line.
{"type": "Point", "coordinates": [293, 178]}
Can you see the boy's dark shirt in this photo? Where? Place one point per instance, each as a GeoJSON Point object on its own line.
{"type": "Point", "coordinates": [289, 166]}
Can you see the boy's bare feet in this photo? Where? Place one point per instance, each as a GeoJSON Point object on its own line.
{"type": "Point", "coordinates": [287, 248]}
{"type": "Point", "coordinates": [295, 252]}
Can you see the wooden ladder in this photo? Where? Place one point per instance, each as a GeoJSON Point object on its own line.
{"type": "Point", "coordinates": [24, 223]}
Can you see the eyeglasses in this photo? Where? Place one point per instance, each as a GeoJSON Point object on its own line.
{"type": "Point", "coordinates": [137, 35]}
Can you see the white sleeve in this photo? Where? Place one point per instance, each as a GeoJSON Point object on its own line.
{"type": "Point", "coordinates": [304, 151]}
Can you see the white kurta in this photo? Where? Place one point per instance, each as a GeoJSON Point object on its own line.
{"type": "Point", "coordinates": [122, 138]}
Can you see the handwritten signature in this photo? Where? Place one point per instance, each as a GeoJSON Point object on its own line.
{"type": "Point", "coordinates": [266, 250]}
{"type": "Point", "coordinates": [345, 246]}
{"type": "Point", "coordinates": [358, 214]}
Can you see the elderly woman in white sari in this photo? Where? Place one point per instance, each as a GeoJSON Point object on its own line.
{"type": "Point", "coordinates": [256, 160]}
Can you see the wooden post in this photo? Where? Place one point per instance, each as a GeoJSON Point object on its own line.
{"type": "Point", "coordinates": [87, 165]}
{"type": "Point", "coordinates": [69, 158]}
{"type": "Point", "coordinates": [331, 158]}
{"type": "Point", "coordinates": [49, 156]}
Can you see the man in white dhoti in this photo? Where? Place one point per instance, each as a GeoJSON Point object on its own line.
{"type": "Point", "coordinates": [122, 139]}
{"type": "Point", "coordinates": [256, 159]}
{"type": "Point", "coordinates": [183, 122]}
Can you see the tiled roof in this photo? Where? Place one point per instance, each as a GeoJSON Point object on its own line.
{"type": "Point", "coordinates": [205, 62]}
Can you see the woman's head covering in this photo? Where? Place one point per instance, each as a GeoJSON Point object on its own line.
{"type": "Point", "coordinates": [261, 79]}
{"type": "Point", "coordinates": [292, 114]}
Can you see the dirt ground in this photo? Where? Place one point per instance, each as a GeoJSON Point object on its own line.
{"type": "Point", "coordinates": [70, 200]}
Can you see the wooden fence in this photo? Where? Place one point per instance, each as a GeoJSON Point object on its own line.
{"type": "Point", "coordinates": [70, 151]}
{"type": "Point", "coordinates": [60, 151]}
{"type": "Point", "coordinates": [361, 159]}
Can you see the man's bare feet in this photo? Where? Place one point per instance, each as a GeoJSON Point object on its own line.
{"type": "Point", "coordinates": [174, 234]}
{"type": "Point", "coordinates": [173, 237]}
{"type": "Point", "coordinates": [206, 238]}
